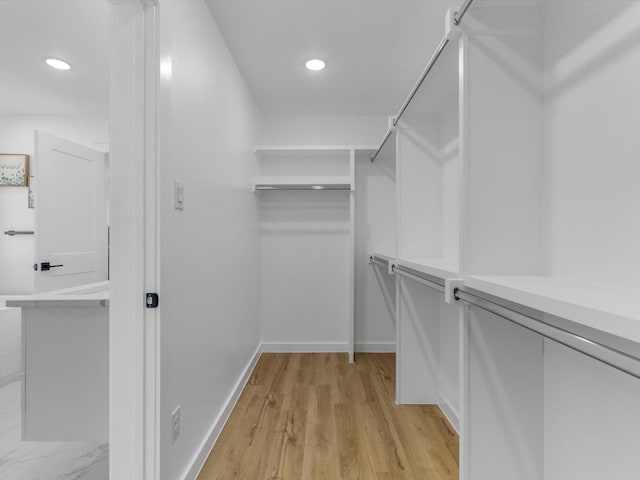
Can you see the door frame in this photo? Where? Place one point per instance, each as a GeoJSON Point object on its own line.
{"type": "Point", "coordinates": [134, 333]}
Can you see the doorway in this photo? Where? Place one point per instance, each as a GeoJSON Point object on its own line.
{"type": "Point", "coordinates": [73, 105]}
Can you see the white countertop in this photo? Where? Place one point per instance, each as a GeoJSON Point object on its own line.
{"type": "Point", "coordinates": [90, 295]}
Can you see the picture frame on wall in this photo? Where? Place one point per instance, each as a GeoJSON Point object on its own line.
{"type": "Point", "coordinates": [14, 170]}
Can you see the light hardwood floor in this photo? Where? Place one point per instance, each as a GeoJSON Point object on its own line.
{"type": "Point", "coordinates": [315, 417]}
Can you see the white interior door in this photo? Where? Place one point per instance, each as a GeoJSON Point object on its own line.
{"type": "Point", "coordinates": [70, 215]}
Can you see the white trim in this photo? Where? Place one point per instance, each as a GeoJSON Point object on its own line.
{"type": "Point", "coordinates": [450, 412]}
{"type": "Point", "coordinates": [152, 348]}
{"type": "Point", "coordinates": [304, 347]}
{"type": "Point", "coordinates": [198, 461]}
{"type": "Point", "coordinates": [375, 347]}
{"type": "Point", "coordinates": [351, 330]}
{"type": "Point", "coordinates": [132, 355]}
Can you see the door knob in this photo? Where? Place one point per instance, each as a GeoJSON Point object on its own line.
{"type": "Point", "coordinates": [46, 266]}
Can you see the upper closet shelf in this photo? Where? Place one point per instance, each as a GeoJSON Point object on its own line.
{"type": "Point", "coordinates": [303, 183]}
{"type": "Point", "coordinates": [312, 148]}
{"type": "Point", "coordinates": [436, 267]}
{"type": "Point", "coordinates": [384, 257]}
{"type": "Point", "coordinates": [608, 309]}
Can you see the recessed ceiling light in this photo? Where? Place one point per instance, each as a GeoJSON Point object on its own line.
{"type": "Point", "coordinates": [57, 64]}
{"type": "Point", "coordinates": [315, 65]}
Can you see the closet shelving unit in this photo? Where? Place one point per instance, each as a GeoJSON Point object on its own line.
{"type": "Point", "coordinates": [546, 245]}
{"type": "Point", "coordinates": [429, 172]}
{"type": "Point", "coordinates": [300, 167]}
{"type": "Point", "coordinates": [308, 226]}
{"type": "Point", "coordinates": [429, 177]}
{"type": "Point", "coordinates": [551, 135]}
{"type": "Point", "coordinates": [383, 240]}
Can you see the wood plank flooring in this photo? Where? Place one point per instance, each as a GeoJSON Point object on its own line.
{"type": "Point", "coordinates": [316, 417]}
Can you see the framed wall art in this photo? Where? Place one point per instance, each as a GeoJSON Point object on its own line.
{"type": "Point", "coordinates": [14, 170]}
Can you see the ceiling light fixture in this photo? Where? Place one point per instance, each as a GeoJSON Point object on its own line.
{"type": "Point", "coordinates": [315, 65]}
{"type": "Point", "coordinates": [57, 64]}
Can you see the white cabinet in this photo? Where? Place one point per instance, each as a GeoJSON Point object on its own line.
{"type": "Point", "coordinates": [66, 364]}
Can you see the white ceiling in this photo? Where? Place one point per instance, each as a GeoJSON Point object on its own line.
{"type": "Point", "coordinates": [75, 31]}
{"type": "Point", "coordinates": [374, 50]}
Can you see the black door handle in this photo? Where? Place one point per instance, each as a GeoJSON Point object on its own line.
{"type": "Point", "coordinates": [46, 266]}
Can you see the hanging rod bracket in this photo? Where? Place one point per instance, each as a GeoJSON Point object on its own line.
{"type": "Point", "coordinates": [392, 266]}
{"type": "Point", "coordinates": [451, 285]}
{"type": "Point", "coordinates": [452, 26]}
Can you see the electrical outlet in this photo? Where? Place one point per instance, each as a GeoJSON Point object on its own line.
{"type": "Point", "coordinates": [175, 423]}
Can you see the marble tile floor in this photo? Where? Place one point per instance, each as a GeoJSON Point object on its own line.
{"type": "Point", "coordinates": [21, 460]}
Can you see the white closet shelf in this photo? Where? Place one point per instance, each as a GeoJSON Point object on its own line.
{"type": "Point", "coordinates": [384, 256]}
{"type": "Point", "coordinates": [613, 310]}
{"type": "Point", "coordinates": [312, 148]}
{"type": "Point", "coordinates": [337, 183]}
{"type": "Point", "coordinates": [436, 267]}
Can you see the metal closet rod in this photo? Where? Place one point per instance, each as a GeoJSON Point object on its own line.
{"type": "Point", "coordinates": [377, 261]}
{"type": "Point", "coordinates": [319, 186]}
{"type": "Point", "coordinates": [434, 58]}
{"type": "Point", "coordinates": [596, 350]}
{"type": "Point", "coordinates": [12, 233]}
{"type": "Point", "coordinates": [462, 11]}
{"type": "Point", "coordinates": [427, 282]}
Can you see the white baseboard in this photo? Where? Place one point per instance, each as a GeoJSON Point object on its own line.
{"type": "Point", "coordinates": [198, 461]}
{"type": "Point", "coordinates": [304, 347]}
{"type": "Point", "coordinates": [451, 413]}
{"type": "Point", "coordinates": [371, 347]}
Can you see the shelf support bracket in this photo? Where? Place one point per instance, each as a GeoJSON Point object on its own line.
{"type": "Point", "coordinates": [452, 30]}
{"type": "Point", "coordinates": [450, 286]}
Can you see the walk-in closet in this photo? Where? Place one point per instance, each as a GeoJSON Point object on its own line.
{"type": "Point", "coordinates": [320, 239]}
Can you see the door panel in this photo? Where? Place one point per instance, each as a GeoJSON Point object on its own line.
{"type": "Point", "coordinates": [71, 214]}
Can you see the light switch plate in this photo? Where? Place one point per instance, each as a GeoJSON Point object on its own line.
{"type": "Point", "coordinates": [178, 194]}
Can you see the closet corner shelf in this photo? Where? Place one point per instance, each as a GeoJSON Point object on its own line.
{"type": "Point", "coordinates": [610, 309]}
{"type": "Point", "coordinates": [436, 267]}
{"type": "Point", "coordinates": [303, 183]}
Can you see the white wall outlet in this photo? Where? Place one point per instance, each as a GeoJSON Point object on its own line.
{"type": "Point", "coordinates": [178, 194]}
{"type": "Point", "coordinates": [175, 423]}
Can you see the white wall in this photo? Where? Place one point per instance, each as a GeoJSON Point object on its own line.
{"type": "Point", "coordinates": [323, 130]}
{"type": "Point", "coordinates": [375, 224]}
{"type": "Point", "coordinates": [592, 113]}
{"type": "Point", "coordinates": [209, 251]}
{"type": "Point", "coordinates": [304, 269]}
{"type": "Point", "coordinates": [17, 136]}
